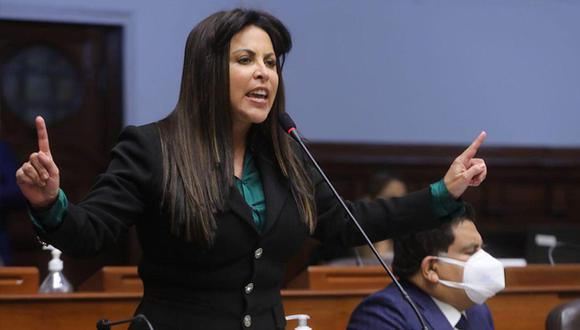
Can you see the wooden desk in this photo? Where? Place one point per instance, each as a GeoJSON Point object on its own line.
{"type": "Point", "coordinates": [113, 279]}
{"type": "Point", "coordinates": [531, 293]}
{"type": "Point", "coordinates": [73, 311]}
{"type": "Point", "coordinates": [511, 309]}
{"type": "Point", "coordinates": [329, 310]}
{"type": "Point", "coordinates": [79, 311]}
{"type": "Point", "coordinates": [530, 277]}
{"type": "Point", "coordinates": [15, 280]}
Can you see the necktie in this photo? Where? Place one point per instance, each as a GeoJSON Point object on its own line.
{"type": "Point", "coordinates": [462, 324]}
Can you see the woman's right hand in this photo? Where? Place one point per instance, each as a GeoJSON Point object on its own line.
{"type": "Point", "coordinates": [38, 178]}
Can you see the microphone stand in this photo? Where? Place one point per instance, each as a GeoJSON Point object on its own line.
{"type": "Point", "coordinates": [106, 324]}
{"type": "Point", "coordinates": [289, 126]}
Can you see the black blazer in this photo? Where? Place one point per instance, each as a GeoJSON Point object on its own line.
{"type": "Point", "coordinates": [236, 283]}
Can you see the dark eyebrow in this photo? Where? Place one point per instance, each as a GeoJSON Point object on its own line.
{"type": "Point", "coordinates": [251, 52]}
{"type": "Point", "coordinates": [244, 50]}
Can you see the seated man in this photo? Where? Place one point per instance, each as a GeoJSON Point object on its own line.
{"type": "Point", "coordinates": [446, 274]}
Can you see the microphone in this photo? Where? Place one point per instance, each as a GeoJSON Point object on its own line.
{"type": "Point", "coordinates": [290, 127]}
{"type": "Point", "coordinates": [552, 242]}
{"type": "Point", "coordinates": [106, 324]}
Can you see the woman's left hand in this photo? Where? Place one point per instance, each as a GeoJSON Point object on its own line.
{"type": "Point", "coordinates": [466, 170]}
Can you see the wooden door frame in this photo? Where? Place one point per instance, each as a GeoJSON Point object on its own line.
{"type": "Point", "coordinates": [62, 14]}
{"type": "Point", "coordinates": [108, 29]}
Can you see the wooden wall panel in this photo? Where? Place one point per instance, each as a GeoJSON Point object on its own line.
{"type": "Point", "coordinates": [525, 187]}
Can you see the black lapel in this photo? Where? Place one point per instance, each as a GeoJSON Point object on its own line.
{"type": "Point", "coordinates": [239, 206]}
{"type": "Point", "coordinates": [275, 185]}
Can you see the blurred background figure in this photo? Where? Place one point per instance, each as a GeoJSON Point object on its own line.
{"type": "Point", "coordinates": [382, 184]}
{"type": "Point", "coordinates": [10, 198]}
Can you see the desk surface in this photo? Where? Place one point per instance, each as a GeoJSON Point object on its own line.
{"type": "Point", "coordinates": [329, 310]}
{"type": "Point", "coordinates": [523, 305]}
{"type": "Point", "coordinates": [531, 277]}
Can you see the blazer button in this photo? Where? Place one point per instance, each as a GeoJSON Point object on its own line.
{"type": "Point", "coordinates": [258, 253]}
{"type": "Point", "coordinates": [249, 288]}
{"type": "Point", "coordinates": [247, 321]}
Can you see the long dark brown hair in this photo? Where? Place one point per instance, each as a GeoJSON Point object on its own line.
{"type": "Point", "coordinates": [196, 138]}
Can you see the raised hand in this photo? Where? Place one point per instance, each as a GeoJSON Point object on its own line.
{"type": "Point", "coordinates": [38, 178]}
{"type": "Point", "coordinates": [466, 170]}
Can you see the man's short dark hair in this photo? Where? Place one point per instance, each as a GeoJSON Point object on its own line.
{"type": "Point", "coordinates": [410, 250]}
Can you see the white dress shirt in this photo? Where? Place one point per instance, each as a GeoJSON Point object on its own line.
{"type": "Point", "coordinates": [451, 313]}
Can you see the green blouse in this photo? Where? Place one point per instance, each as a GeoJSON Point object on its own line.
{"type": "Point", "coordinates": [250, 186]}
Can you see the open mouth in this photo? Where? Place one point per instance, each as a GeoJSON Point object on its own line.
{"type": "Point", "coordinates": [259, 94]}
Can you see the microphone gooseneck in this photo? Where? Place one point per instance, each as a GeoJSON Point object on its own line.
{"type": "Point", "coordinates": [290, 127]}
{"type": "Point", "coordinates": [106, 324]}
{"type": "Point", "coordinates": [552, 242]}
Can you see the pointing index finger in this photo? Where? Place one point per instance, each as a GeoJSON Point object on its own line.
{"type": "Point", "coordinates": [470, 152]}
{"type": "Point", "coordinates": [42, 134]}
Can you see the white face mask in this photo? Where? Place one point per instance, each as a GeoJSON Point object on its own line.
{"type": "Point", "coordinates": [483, 276]}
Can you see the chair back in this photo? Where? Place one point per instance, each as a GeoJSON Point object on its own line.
{"type": "Point", "coordinates": [564, 317]}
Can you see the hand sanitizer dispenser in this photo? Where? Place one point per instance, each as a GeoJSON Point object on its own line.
{"type": "Point", "coordinates": [55, 280]}
{"type": "Point", "coordinates": [302, 321]}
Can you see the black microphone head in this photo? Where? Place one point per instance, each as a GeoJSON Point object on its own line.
{"type": "Point", "coordinates": [104, 325]}
{"type": "Point", "coordinates": [286, 122]}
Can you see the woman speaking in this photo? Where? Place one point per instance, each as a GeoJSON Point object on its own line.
{"type": "Point", "coordinates": [220, 196]}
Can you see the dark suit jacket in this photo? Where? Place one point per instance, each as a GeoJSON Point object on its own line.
{"type": "Point", "coordinates": [387, 309]}
{"type": "Point", "coordinates": [241, 274]}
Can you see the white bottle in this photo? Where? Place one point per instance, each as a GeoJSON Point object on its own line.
{"type": "Point", "coordinates": [302, 321]}
{"type": "Point", "coordinates": [55, 280]}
